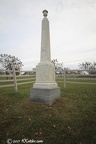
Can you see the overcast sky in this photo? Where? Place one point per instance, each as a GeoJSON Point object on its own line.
{"type": "Point", "coordinates": [72, 30]}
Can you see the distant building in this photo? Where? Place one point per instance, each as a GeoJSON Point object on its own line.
{"type": "Point", "coordinates": [58, 70]}
{"type": "Point", "coordinates": [84, 73]}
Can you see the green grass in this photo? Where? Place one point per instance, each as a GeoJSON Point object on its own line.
{"type": "Point", "coordinates": [83, 80]}
{"type": "Point", "coordinates": [70, 120]}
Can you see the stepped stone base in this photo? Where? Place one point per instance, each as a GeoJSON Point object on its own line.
{"type": "Point", "coordinates": [44, 96]}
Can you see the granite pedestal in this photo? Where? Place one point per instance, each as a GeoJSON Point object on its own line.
{"type": "Point", "coordinates": [44, 96]}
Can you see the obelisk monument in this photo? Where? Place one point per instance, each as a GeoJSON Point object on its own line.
{"type": "Point", "coordinates": [45, 89]}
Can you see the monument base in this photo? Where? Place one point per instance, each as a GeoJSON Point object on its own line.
{"type": "Point", "coordinates": [44, 96]}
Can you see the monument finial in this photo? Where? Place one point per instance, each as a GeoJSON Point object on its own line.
{"type": "Point", "coordinates": [45, 12]}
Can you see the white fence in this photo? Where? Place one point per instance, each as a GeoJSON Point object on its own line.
{"type": "Point", "coordinates": [70, 76]}
{"type": "Point", "coordinates": [15, 80]}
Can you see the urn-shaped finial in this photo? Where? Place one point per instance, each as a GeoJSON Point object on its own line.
{"type": "Point", "coordinates": [45, 12]}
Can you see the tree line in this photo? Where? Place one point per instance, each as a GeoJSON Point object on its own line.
{"type": "Point", "coordinates": [87, 66]}
{"type": "Point", "coordinates": [8, 62]}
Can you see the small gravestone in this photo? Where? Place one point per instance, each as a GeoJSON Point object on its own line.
{"type": "Point", "coordinates": [45, 89]}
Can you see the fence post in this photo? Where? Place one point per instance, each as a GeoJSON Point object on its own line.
{"type": "Point", "coordinates": [15, 81]}
{"type": "Point", "coordinates": [64, 72]}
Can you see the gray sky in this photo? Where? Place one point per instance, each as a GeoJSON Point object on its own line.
{"type": "Point", "coordinates": [72, 30]}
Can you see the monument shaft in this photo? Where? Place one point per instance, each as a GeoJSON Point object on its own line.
{"type": "Point", "coordinates": [45, 41]}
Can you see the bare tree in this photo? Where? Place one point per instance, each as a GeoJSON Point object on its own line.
{"type": "Point", "coordinates": [58, 66]}
{"type": "Point", "coordinates": [8, 61]}
{"type": "Point", "coordinates": [91, 67]}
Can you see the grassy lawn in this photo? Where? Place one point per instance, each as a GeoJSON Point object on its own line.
{"type": "Point", "coordinates": [70, 120]}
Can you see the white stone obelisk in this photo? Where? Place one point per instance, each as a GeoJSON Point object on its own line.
{"type": "Point", "coordinates": [45, 89]}
{"type": "Point", "coordinates": [45, 39]}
